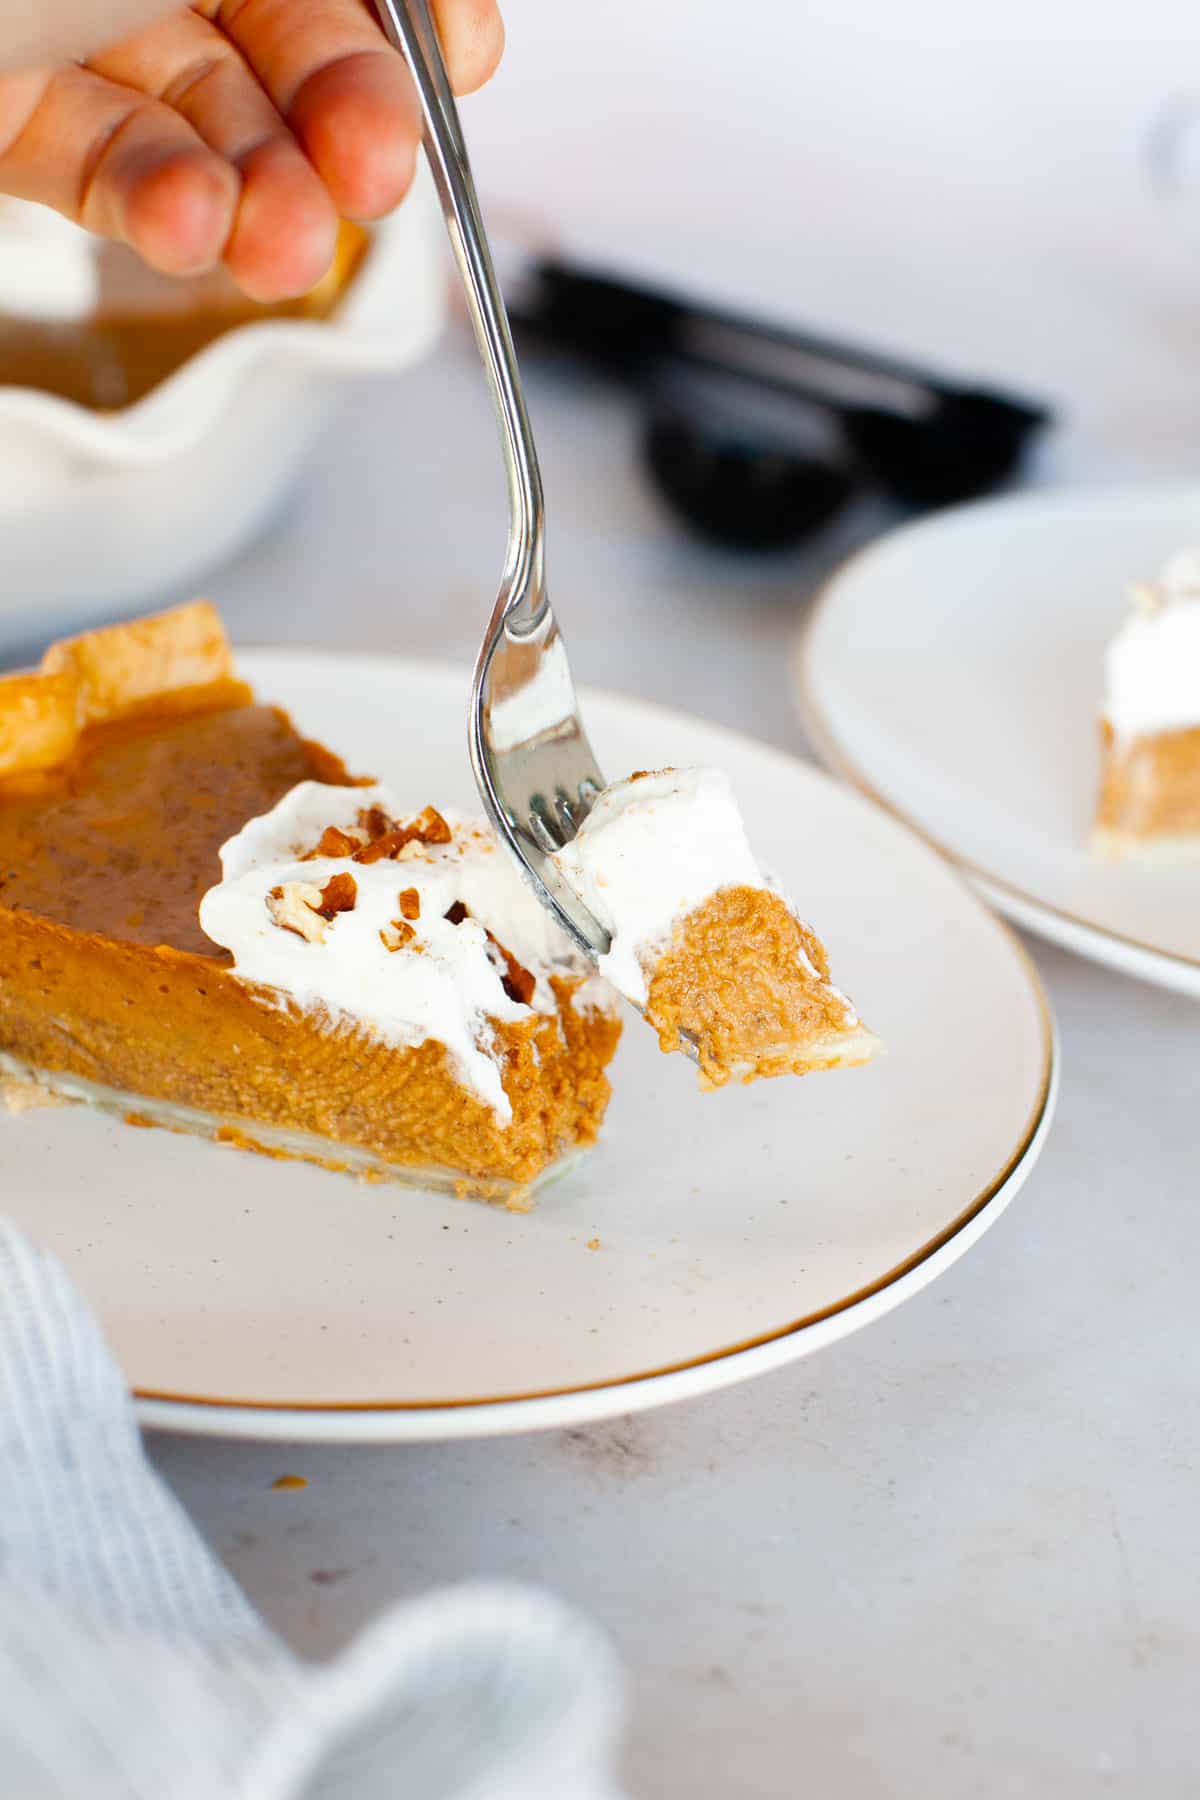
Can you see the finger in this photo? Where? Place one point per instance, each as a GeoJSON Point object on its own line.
{"type": "Point", "coordinates": [125, 166]}
{"type": "Point", "coordinates": [285, 228]}
{"type": "Point", "coordinates": [472, 38]}
{"type": "Point", "coordinates": [345, 93]}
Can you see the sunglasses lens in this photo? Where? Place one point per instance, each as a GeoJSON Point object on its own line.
{"type": "Point", "coordinates": [738, 489]}
{"type": "Point", "coordinates": [963, 446]}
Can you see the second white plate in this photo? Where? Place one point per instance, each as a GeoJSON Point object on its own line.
{"type": "Point", "coordinates": [955, 671]}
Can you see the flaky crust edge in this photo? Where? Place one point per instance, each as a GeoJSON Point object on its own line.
{"type": "Point", "coordinates": [105, 675]}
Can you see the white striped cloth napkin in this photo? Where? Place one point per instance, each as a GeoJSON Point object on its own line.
{"type": "Point", "coordinates": [133, 1668]}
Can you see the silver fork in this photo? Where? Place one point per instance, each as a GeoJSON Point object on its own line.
{"type": "Point", "coordinates": [536, 772]}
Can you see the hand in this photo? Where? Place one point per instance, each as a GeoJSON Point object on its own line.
{"type": "Point", "coordinates": [234, 130]}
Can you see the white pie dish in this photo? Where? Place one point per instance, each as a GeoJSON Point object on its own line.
{"type": "Point", "coordinates": [103, 512]}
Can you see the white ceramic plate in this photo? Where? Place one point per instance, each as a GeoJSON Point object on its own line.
{"type": "Point", "coordinates": [736, 1230]}
{"type": "Point", "coordinates": [954, 670]}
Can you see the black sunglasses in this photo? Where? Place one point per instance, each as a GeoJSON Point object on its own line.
{"type": "Point", "coordinates": [757, 435]}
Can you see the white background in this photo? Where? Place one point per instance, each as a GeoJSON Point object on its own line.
{"type": "Point", "coordinates": [967, 180]}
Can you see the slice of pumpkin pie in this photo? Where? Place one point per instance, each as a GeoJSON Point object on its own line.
{"type": "Point", "coordinates": [207, 923]}
{"type": "Point", "coordinates": [1149, 804]}
{"type": "Point", "coordinates": [703, 942]}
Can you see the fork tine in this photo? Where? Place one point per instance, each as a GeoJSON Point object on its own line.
{"type": "Point", "coordinates": [536, 771]}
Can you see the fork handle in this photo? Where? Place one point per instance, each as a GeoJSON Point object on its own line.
{"type": "Point", "coordinates": [409, 26]}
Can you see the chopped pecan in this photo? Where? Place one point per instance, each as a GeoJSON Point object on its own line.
{"type": "Point", "coordinates": [410, 903]}
{"type": "Point", "coordinates": [296, 906]}
{"type": "Point", "coordinates": [430, 827]}
{"type": "Point", "coordinates": [334, 842]}
{"type": "Point", "coordinates": [375, 822]}
{"type": "Point", "coordinates": [516, 981]}
{"type": "Point", "coordinates": [390, 844]}
{"type": "Point", "coordinates": [390, 838]}
{"type": "Point", "coordinates": [396, 935]}
{"type": "Point", "coordinates": [339, 895]}
{"type": "Point", "coordinates": [519, 984]}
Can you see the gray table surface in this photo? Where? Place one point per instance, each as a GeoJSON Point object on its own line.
{"type": "Point", "coordinates": [952, 1555]}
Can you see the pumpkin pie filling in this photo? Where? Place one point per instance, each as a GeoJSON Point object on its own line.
{"type": "Point", "coordinates": [744, 985]}
{"type": "Point", "coordinates": [1149, 803]}
{"type": "Point", "coordinates": [702, 941]}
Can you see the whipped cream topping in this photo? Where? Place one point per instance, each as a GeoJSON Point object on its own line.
{"type": "Point", "coordinates": [652, 850]}
{"type": "Point", "coordinates": [446, 982]}
{"type": "Point", "coordinates": [48, 266]}
{"type": "Point", "coordinates": [1152, 667]}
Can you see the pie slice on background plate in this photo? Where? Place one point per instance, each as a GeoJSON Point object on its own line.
{"type": "Point", "coordinates": [1149, 806]}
